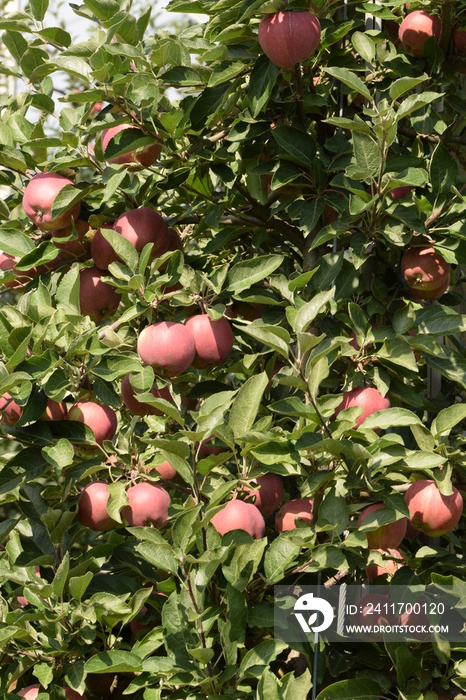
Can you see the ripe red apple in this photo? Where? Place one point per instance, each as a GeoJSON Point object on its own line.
{"type": "Point", "coordinates": [174, 240]}
{"type": "Point", "coordinates": [8, 262]}
{"type": "Point", "coordinates": [146, 157]}
{"type": "Point", "coordinates": [30, 692]}
{"type": "Point", "coordinates": [400, 192]}
{"type": "Point", "coordinates": [297, 508]}
{"type": "Point", "coordinates": [55, 410]}
{"type": "Point", "coordinates": [238, 515]}
{"type": "Point", "coordinates": [101, 684]}
{"type": "Point", "coordinates": [166, 471]}
{"type": "Point", "coordinates": [207, 449]}
{"type": "Point", "coordinates": [416, 29]}
{"type": "Point", "coordinates": [101, 420]}
{"type": "Point", "coordinates": [459, 39]}
{"type": "Point", "coordinates": [213, 340]}
{"type": "Point", "coordinates": [417, 618]}
{"type": "Point", "coordinates": [139, 227]}
{"type": "Point", "coordinates": [92, 507]}
{"type": "Point", "coordinates": [269, 494]}
{"type": "Point", "coordinates": [368, 398]}
{"type": "Point", "coordinates": [289, 37]}
{"type": "Point", "coordinates": [386, 536]}
{"type": "Point", "coordinates": [430, 511]}
{"type": "Point", "coordinates": [139, 408]}
{"type": "Point", "coordinates": [393, 562]}
{"type": "Point", "coordinates": [78, 247]}
{"type": "Point", "coordinates": [96, 298]}
{"type": "Point", "coordinates": [374, 609]}
{"type": "Point", "coordinates": [167, 347]}
{"type": "Point", "coordinates": [39, 197]}
{"type": "Point", "coordinates": [148, 503]}
{"type": "Point", "coordinates": [10, 411]}
{"type": "Point", "coordinates": [426, 272]}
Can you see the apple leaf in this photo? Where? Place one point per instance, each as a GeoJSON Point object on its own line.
{"type": "Point", "coordinates": [247, 272]}
{"type": "Point", "coordinates": [350, 79]}
{"type": "Point", "coordinates": [447, 419]}
{"type": "Point", "coordinates": [246, 404]}
{"type": "Point", "coordinates": [114, 661]}
{"type": "Point", "coordinates": [261, 83]}
{"type": "Point", "coordinates": [360, 688]}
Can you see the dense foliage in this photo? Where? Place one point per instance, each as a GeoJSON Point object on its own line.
{"type": "Point", "coordinates": [280, 184]}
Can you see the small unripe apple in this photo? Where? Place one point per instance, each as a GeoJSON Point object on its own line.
{"type": "Point", "coordinates": [238, 515]}
{"type": "Point", "coordinates": [92, 507]}
{"type": "Point", "coordinates": [426, 272]}
{"type": "Point", "coordinates": [288, 38]}
{"type": "Point", "coordinates": [416, 29]}
{"type": "Point", "coordinates": [268, 494]}
{"type": "Point", "coordinates": [400, 192]}
{"type": "Point", "coordinates": [213, 340]}
{"type": "Point", "coordinates": [78, 247]}
{"type": "Point", "coordinates": [138, 226]}
{"type": "Point", "coordinates": [167, 347]}
{"type": "Point", "coordinates": [139, 408]}
{"type": "Point", "coordinates": [290, 512]}
{"type": "Point", "coordinates": [148, 503]}
{"type": "Point", "coordinates": [386, 536]}
{"type": "Point", "coordinates": [101, 420]}
{"type": "Point", "coordinates": [10, 411]}
{"type": "Point", "coordinates": [55, 410]}
{"type": "Point", "coordinates": [39, 196]}
{"type": "Point", "coordinates": [393, 562]}
{"type": "Point", "coordinates": [368, 398]}
{"type": "Point", "coordinates": [430, 511]}
{"type": "Point", "coordinates": [146, 157]}
{"type": "Point", "coordinates": [96, 298]}
{"type": "Point", "coordinates": [30, 692]}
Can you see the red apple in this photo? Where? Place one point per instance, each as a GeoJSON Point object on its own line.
{"type": "Point", "coordinates": [39, 197]}
{"type": "Point", "coordinates": [238, 515]}
{"type": "Point", "coordinates": [289, 37]}
{"type": "Point", "coordinates": [296, 509]}
{"type": "Point", "coordinates": [430, 511]}
{"type": "Point", "coordinates": [269, 494]}
{"type": "Point", "coordinates": [146, 157]}
{"type": "Point", "coordinates": [148, 503]}
{"type": "Point", "coordinates": [426, 272]}
{"type": "Point", "coordinates": [174, 240]}
{"type": "Point", "coordinates": [55, 410]}
{"type": "Point", "coordinates": [374, 609]}
{"type": "Point", "coordinates": [10, 411]}
{"type": "Point", "coordinates": [386, 536]}
{"type": "Point", "coordinates": [30, 692]}
{"type": "Point", "coordinates": [417, 617]}
{"type": "Point", "coordinates": [101, 420]}
{"type": "Point", "coordinates": [213, 340]}
{"type": "Point", "coordinates": [92, 507]}
{"type": "Point", "coordinates": [459, 39]}
{"type": "Point", "coordinates": [368, 398]}
{"type": "Point", "coordinates": [139, 408]}
{"type": "Point", "coordinates": [96, 298]}
{"type": "Point", "coordinates": [78, 247]}
{"type": "Point", "coordinates": [207, 449]}
{"type": "Point", "coordinates": [167, 347]}
{"type": "Point", "coordinates": [400, 192]}
{"type": "Point", "coordinates": [416, 29]}
{"type": "Point", "coordinates": [139, 227]}
{"type": "Point", "coordinates": [166, 471]}
{"type": "Point", "coordinates": [393, 562]}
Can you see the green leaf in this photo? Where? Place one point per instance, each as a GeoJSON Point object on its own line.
{"type": "Point", "coordinates": [261, 83]}
{"type": "Point", "coordinates": [160, 556]}
{"type": "Point", "coordinates": [114, 661]}
{"type": "Point", "coordinates": [67, 294]}
{"type": "Point", "coordinates": [360, 688]}
{"type": "Point", "coordinates": [122, 247]}
{"type": "Point", "coordinates": [443, 170]}
{"type": "Point", "coordinates": [44, 674]}
{"type": "Point", "coordinates": [367, 153]}
{"type": "Point", "coordinates": [307, 313]}
{"type": "Point", "coordinates": [317, 373]}
{"type": "Point", "coordinates": [350, 79]}
{"type": "Point", "coordinates": [273, 337]}
{"type": "Point", "coordinates": [246, 404]}
{"type": "Point", "coordinates": [296, 144]}
{"type": "Point", "coordinates": [334, 511]}
{"type": "Point", "coordinates": [79, 584]}
{"type": "Point", "coordinates": [280, 555]}
{"type": "Point", "coordinates": [257, 659]}
{"type": "Point", "coordinates": [246, 273]}
{"type": "Point", "coordinates": [60, 455]}
{"type": "Point", "coordinates": [12, 158]}
{"type": "Point", "coordinates": [207, 104]}
{"type": "Point", "coordinates": [58, 583]}
{"type": "Point", "coordinates": [364, 45]}
{"type": "Point", "coordinates": [224, 72]}
{"type": "Point", "coordinates": [447, 419]}
{"type": "Point", "coordinates": [391, 418]}
{"type": "Point", "coordinates": [415, 102]}
{"type": "Point", "coordinates": [39, 9]}
{"type": "Point", "coordinates": [405, 84]}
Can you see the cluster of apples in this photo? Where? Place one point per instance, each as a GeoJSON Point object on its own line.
{"type": "Point", "coordinates": [430, 512]}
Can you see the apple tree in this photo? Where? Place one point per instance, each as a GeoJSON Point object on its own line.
{"type": "Point", "coordinates": [290, 178]}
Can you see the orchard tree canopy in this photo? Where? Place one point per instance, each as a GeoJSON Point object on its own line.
{"type": "Point", "coordinates": [292, 176]}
